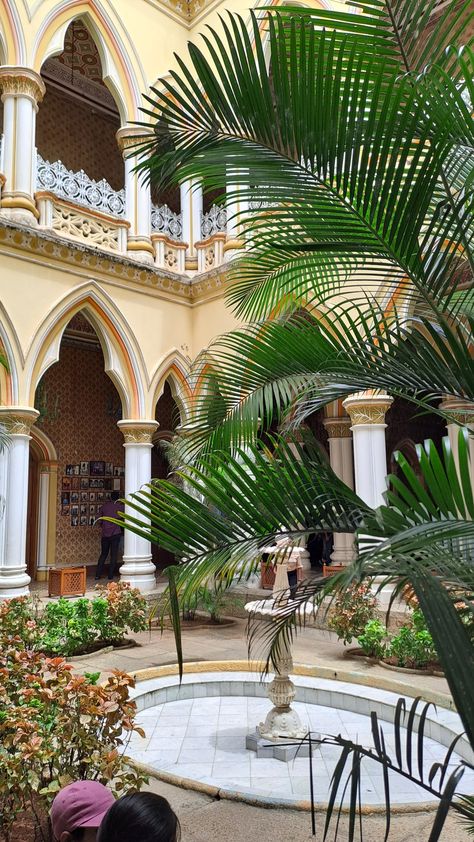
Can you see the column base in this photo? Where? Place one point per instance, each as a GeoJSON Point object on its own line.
{"type": "Point", "coordinates": [139, 572]}
{"type": "Point", "coordinates": [343, 552]}
{"type": "Point", "coordinates": [14, 581]}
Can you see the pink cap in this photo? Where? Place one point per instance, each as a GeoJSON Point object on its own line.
{"type": "Point", "coordinates": [80, 804]}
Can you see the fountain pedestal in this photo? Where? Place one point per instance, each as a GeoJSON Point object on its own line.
{"type": "Point", "coordinates": [282, 724]}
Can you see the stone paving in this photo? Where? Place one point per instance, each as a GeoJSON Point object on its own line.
{"type": "Point", "coordinates": [204, 739]}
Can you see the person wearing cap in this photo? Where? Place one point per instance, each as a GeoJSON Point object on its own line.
{"type": "Point", "coordinates": [78, 810]}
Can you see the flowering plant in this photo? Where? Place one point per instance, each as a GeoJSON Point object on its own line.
{"type": "Point", "coordinates": [56, 727]}
{"type": "Point", "coordinates": [352, 610]}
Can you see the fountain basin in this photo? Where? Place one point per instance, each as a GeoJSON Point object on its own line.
{"type": "Point", "coordinates": [196, 732]}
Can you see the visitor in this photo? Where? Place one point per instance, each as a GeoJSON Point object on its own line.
{"type": "Point", "coordinates": [328, 547]}
{"type": "Point", "coordinates": [78, 810]}
{"type": "Point", "coordinates": [140, 817]}
{"type": "Point", "coordinates": [111, 534]}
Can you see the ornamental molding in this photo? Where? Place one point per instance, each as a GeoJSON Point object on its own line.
{"type": "Point", "coordinates": [338, 428]}
{"type": "Point", "coordinates": [458, 411]}
{"type": "Point", "coordinates": [18, 421]}
{"type": "Point", "coordinates": [20, 81]}
{"type": "Point", "coordinates": [138, 432]}
{"type": "Point", "coordinates": [132, 138]}
{"type": "Point", "coordinates": [88, 262]}
{"type": "Point", "coordinates": [367, 410]}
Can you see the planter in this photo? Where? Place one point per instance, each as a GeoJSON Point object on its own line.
{"type": "Point", "coordinates": [98, 649]}
{"type": "Point", "coordinates": [357, 652]}
{"type": "Point", "coordinates": [428, 670]}
{"type": "Point", "coordinates": [198, 623]}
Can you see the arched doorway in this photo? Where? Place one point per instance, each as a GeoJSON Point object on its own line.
{"type": "Point", "coordinates": [168, 416]}
{"type": "Point", "coordinates": [79, 408]}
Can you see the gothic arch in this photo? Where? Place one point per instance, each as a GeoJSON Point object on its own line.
{"type": "Point", "coordinates": [9, 345]}
{"type": "Point", "coordinates": [122, 356]}
{"type": "Point", "coordinates": [118, 73]}
{"type": "Point", "coordinates": [43, 444]}
{"type": "Point", "coordinates": [12, 41]}
{"type": "Point", "coordinates": [172, 369]}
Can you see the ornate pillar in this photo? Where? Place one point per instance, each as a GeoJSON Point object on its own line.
{"type": "Point", "coordinates": [367, 413]}
{"type": "Point", "coordinates": [137, 568]}
{"type": "Point", "coordinates": [137, 197]}
{"type": "Point", "coordinates": [460, 413]}
{"type": "Point", "coordinates": [340, 456]}
{"type": "Point", "coordinates": [18, 421]}
{"type": "Point", "coordinates": [22, 90]}
{"type": "Point", "coordinates": [191, 210]}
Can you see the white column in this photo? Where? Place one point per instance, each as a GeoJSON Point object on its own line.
{"type": "Point", "coordinates": [367, 413]}
{"type": "Point", "coordinates": [137, 197]}
{"type": "Point", "coordinates": [340, 456]}
{"type": "Point", "coordinates": [22, 90]}
{"type": "Point", "coordinates": [191, 210]}
{"type": "Point", "coordinates": [461, 414]}
{"type": "Point", "coordinates": [137, 568]}
{"type": "Point", "coordinates": [14, 579]}
{"type": "Point", "coordinates": [236, 210]}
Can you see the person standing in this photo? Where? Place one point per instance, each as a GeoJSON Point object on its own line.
{"type": "Point", "coordinates": [111, 534]}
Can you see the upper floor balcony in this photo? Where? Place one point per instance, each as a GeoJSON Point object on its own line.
{"type": "Point", "coordinates": [67, 165]}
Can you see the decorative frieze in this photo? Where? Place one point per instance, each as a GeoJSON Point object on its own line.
{"type": "Point", "coordinates": [165, 221]}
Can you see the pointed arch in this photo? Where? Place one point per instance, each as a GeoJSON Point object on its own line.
{"type": "Point", "coordinates": [118, 73]}
{"type": "Point", "coordinates": [10, 346]}
{"type": "Point", "coordinates": [174, 370]}
{"type": "Point", "coordinates": [44, 446]}
{"type": "Point", "coordinates": [122, 356]}
{"type": "Point", "coordinates": [12, 39]}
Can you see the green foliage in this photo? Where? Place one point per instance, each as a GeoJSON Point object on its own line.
{"type": "Point", "coordinates": [67, 627]}
{"type": "Point", "coordinates": [353, 608]}
{"type": "Point", "coordinates": [413, 645]}
{"type": "Point", "coordinates": [373, 639]}
{"type": "Point", "coordinates": [56, 727]}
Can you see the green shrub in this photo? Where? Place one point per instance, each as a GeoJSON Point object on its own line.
{"type": "Point", "coordinates": [413, 645]}
{"type": "Point", "coordinates": [351, 611]}
{"type": "Point", "coordinates": [372, 639]}
{"type": "Point", "coordinates": [67, 627]}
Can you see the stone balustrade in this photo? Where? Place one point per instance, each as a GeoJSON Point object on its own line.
{"type": "Point", "coordinates": [79, 223]}
{"type": "Point", "coordinates": [169, 254]}
{"type": "Point", "coordinates": [210, 252]}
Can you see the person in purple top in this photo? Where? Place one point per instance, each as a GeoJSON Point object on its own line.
{"type": "Point", "coordinates": [111, 534]}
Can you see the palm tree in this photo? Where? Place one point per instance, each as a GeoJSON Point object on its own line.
{"type": "Point", "coordinates": [349, 138]}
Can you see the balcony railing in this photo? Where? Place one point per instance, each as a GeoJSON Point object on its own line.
{"type": "Point", "coordinates": [79, 188]}
{"type": "Point", "coordinates": [214, 222]}
{"type": "Point", "coordinates": [164, 221]}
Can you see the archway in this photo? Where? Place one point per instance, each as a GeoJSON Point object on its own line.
{"type": "Point", "coordinates": [79, 407]}
{"type": "Point", "coordinates": [76, 127]}
{"type": "Point", "coordinates": [168, 416]}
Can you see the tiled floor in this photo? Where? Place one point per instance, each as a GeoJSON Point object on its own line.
{"type": "Point", "coordinates": [204, 739]}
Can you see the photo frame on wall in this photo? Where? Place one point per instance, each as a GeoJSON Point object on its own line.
{"type": "Point", "coordinates": [75, 483]}
{"type": "Point", "coordinates": [74, 520]}
{"type": "Point", "coordinates": [116, 484]}
{"type": "Point", "coordinates": [85, 483]}
{"type": "Point", "coordinates": [84, 469]}
{"type": "Point", "coordinates": [84, 496]}
{"type": "Point", "coordinates": [74, 497]}
{"type": "Point", "coordinates": [74, 511]}
{"type": "Point", "coordinates": [97, 468]}
{"type": "Point", "coordinates": [96, 483]}
{"type": "Point", "coordinates": [109, 469]}
{"type": "Point", "coordinates": [66, 483]}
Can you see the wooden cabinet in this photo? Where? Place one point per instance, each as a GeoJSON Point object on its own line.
{"type": "Point", "coordinates": [67, 581]}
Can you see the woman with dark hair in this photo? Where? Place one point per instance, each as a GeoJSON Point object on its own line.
{"type": "Point", "coordinates": [140, 817]}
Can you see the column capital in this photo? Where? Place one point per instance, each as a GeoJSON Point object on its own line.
{"type": "Point", "coordinates": [21, 81]}
{"type": "Point", "coordinates": [367, 407]}
{"type": "Point", "coordinates": [129, 137]}
{"type": "Point", "coordinates": [18, 420]}
{"type": "Point", "coordinates": [338, 428]}
{"type": "Point", "coordinates": [138, 432]}
{"type": "Point", "coordinates": [459, 411]}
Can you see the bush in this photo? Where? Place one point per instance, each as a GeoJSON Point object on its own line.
{"type": "Point", "coordinates": [413, 645]}
{"type": "Point", "coordinates": [352, 610]}
{"type": "Point", "coordinates": [56, 727]}
{"type": "Point", "coordinates": [372, 639]}
{"type": "Point", "coordinates": [67, 627]}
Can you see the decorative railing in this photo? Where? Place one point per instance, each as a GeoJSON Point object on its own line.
{"type": "Point", "coordinates": [214, 222]}
{"type": "Point", "coordinates": [164, 221]}
{"type": "Point", "coordinates": [78, 188]}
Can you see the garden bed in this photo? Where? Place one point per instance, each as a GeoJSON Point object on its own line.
{"type": "Point", "coordinates": [433, 668]}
